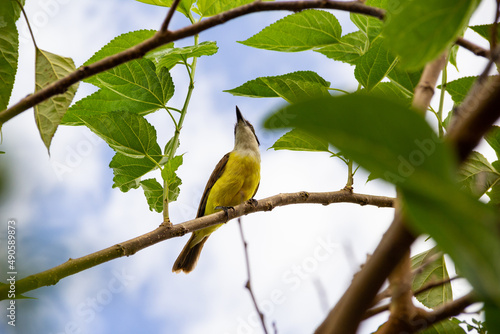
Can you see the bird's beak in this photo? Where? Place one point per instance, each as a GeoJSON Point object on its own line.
{"type": "Point", "coordinates": [239, 117]}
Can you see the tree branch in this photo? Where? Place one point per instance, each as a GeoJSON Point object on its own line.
{"type": "Point", "coordinates": [427, 319]}
{"type": "Point", "coordinates": [474, 48]}
{"type": "Point", "coordinates": [170, 14]}
{"type": "Point", "coordinates": [164, 232]}
{"type": "Point", "coordinates": [166, 36]}
{"type": "Point", "coordinates": [425, 88]}
{"type": "Point", "coordinates": [249, 281]}
{"type": "Point", "coordinates": [346, 315]}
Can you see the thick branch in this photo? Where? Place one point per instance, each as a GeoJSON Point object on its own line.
{"type": "Point", "coordinates": [344, 318]}
{"type": "Point", "coordinates": [163, 232]}
{"type": "Point", "coordinates": [164, 37]}
{"type": "Point", "coordinates": [425, 88]}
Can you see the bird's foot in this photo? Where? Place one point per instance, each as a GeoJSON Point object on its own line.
{"type": "Point", "coordinates": [226, 210]}
{"type": "Point", "coordinates": [253, 202]}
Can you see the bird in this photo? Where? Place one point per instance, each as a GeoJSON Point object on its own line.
{"type": "Point", "coordinates": [234, 180]}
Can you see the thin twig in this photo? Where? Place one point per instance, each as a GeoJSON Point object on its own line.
{"type": "Point", "coordinates": [28, 23]}
{"type": "Point", "coordinates": [248, 285]}
{"type": "Point", "coordinates": [434, 284]}
{"type": "Point", "coordinates": [170, 14]}
{"type": "Point", "coordinates": [161, 38]}
{"type": "Point", "coordinates": [474, 48]}
{"type": "Point", "coordinates": [164, 232]}
{"type": "Point", "coordinates": [382, 308]}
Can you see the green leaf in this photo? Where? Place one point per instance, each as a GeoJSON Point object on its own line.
{"type": "Point", "coordinates": [433, 271]}
{"type": "Point", "coordinates": [391, 90]}
{"type": "Point", "coordinates": [9, 45]}
{"type": "Point", "coordinates": [50, 67]}
{"type": "Point", "coordinates": [105, 100]}
{"type": "Point", "coordinates": [126, 133]}
{"type": "Point", "coordinates": [485, 31]}
{"type": "Point", "coordinates": [370, 26]}
{"type": "Point", "coordinates": [406, 79]}
{"type": "Point", "coordinates": [388, 138]}
{"type": "Point", "coordinates": [184, 6]}
{"type": "Point", "coordinates": [154, 194]}
{"type": "Point", "coordinates": [396, 143]}
{"type": "Point", "coordinates": [168, 57]}
{"type": "Point", "coordinates": [444, 327]}
{"type": "Point", "coordinates": [374, 65]}
{"type": "Point", "coordinates": [493, 139]}
{"type": "Point", "coordinates": [173, 181]}
{"type": "Point", "coordinates": [298, 32]}
{"type": "Point", "coordinates": [137, 80]}
{"type": "Point", "coordinates": [492, 316]}
{"type": "Point", "coordinates": [213, 7]}
{"type": "Point", "coordinates": [348, 50]}
{"type": "Point", "coordinates": [297, 140]}
{"type": "Point", "coordinates": [477, 175]}
{"type": "Point", "coordinates": [411, 28]}
{"type": "Point", "coordinates": [292, 87]}
{"type": "Point", "coordinates": [128, 170]}
{"type": "Point", "coordinates": [453, 56]}
{"type": "Point", "coordinates": [121, 43]}
{"type": "Point", "coordinates": [459, 88]}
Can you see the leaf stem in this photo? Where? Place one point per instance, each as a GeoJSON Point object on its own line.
{"type": "Point", "coordinates": [28, 23]}
{"type": "Point", "coordinates": [439, 114]}
{"type": "Point", "coordinates": [178, 125]}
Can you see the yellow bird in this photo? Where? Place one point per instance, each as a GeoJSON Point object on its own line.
{"type": "Point", "coordinates": [235, 180]}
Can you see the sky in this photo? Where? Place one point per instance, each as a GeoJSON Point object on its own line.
{"type": "Point", "coordinates": [302, 257]}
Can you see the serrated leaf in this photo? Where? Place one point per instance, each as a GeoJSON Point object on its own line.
{"type": "Point", "coordinates": [370, 26]}
{"type": "Point", "coordinates": [126, 133]}
{"type": "Point", "coordinates": [444, 327]}
{"type": "Point", "coordinates": [390, 90]}
{"type": "Point", "coordinates": [213, 7]}
{"type": "Point", "coordinates": [138, 81]}
{"type": "Point", "coordinates": [374, 65]}
{"type": "Point", "coordinates": [9, 44]}
{"type": "Point", "coordinates": [292, 87]}
{"type": "Point", "coordinates": [485, 31]}
{"type": "Point", "coordinates": [50, 67]}
{"type": "Point", "coordinates": [433, 271]}
{"type": "Point", "coordinates": [121, 43]}
{"type": "Point", "coordinates": [128, 170]}
{"type": "Point", "coordinates": [298, 32]}
{"type": "Point", "coordinates": [459, 88]}
{"type": "Point", "coordinates": [408, 29]}
{"type": "Point", "coordinates": [184, 6]}
{"type": "Point", "coordinates": [168, 57]}
{"type": "Point", "coordinates": [169, 175]}
{"type": "Point", "coordinates": [105, 100]}
{"type": "Point", "coordinates": [296, 140]}
{"type": "Point", "coordinates": [453, 56]}
{"type": "Point", "coordinates": [407, 79]}
{"type": "Point", "coordinates": [154, 194]}
{"type": "Point", "coordinates": [493, 139]}
{"type": "Point", "coordinates": [477, 175]}
{"type": "Point", "coordinates": [397, 143]}
{"type": "Point", "coordinates": [348, 50]}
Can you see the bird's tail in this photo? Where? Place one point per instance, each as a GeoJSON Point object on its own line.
{"type": "Point", "coordinates": [187, 259]}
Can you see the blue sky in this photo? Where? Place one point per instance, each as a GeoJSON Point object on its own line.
{"type": "Point", "coordinates": [75, 213]}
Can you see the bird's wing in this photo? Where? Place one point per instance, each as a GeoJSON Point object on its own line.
{"type": "Point", "coordinates": [219, 169]}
